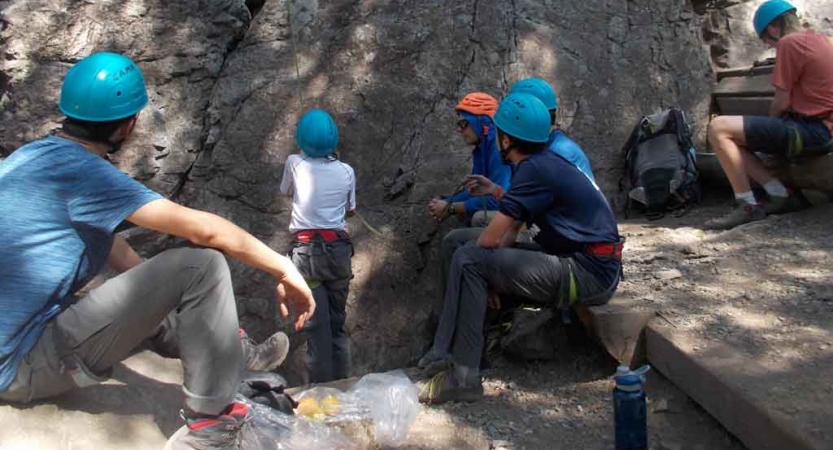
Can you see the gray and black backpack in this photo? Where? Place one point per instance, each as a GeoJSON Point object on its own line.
{"type": "Point", "coordinates": [660, 166]}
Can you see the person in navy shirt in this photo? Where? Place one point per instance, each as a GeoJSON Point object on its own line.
{"type": "Point", "coordinates": [60, 203]}
{"type": "Point", "coordinates": [576, 256]}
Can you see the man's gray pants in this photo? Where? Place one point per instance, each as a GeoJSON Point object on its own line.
{"type": "Point", "coordinates": [328, 345]}
{"type": "Point", "coordinates": [181, 301]}
{"type": "Point", "coordinates": [523, 272]}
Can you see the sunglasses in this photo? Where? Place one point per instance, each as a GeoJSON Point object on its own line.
{"type": "Point", "coordinates": [462, 124]}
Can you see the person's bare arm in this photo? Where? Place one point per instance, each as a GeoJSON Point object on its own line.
{"type": "Point", "coordinates": [209, 230]}
{"type": "Point", "coordinates": [493, 235]}
{"type": "Point", "coordinates": [511, 235]}
{"type": "Point", "coordinates": [122, 257]}
{"type": "Point", "coordinates": [780, 104]}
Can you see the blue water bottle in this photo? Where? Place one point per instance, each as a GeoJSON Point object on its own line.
{"type": "Point", "coordinates": [629, 409]}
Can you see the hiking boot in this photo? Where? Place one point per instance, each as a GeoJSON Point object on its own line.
{"type": "Point", "coordinates": [740, 215]}
{"type": "Point", "coordinates": [268, 354]}
{"type": "Point", "coordinates": [433, 363]}
{"type": "Point", "coordinates": [444, 387]}
{"type": "Point", "coordinates": [223, 432]}
{"type": "Point", "coordinates": [796, 201]}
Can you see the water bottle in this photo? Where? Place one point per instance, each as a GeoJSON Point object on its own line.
{"type": "Point", "coordinates": [629, 409]}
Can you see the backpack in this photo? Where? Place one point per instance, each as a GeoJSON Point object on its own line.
{"type": "Point", "coordinates": [660, 166]}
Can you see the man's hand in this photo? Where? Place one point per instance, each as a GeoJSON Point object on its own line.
{"type": "Point", "coordinates": [293, 289]}
{"type": "Point", "coordinates": [438, 209]}
{"type": "Point", "coordinates": [480, 185]}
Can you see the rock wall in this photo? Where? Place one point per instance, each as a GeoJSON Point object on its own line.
{"type": "Point", "coordinates": [227, 88]}
{"type": "Point", "coordinates": [727, 27]}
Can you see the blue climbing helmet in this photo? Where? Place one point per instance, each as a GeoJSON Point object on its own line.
{"type": "Point", "coordinates": [769, 11]}
{"type": "Point", "coordinates": [317, 133]}
{"type": "Point", "coordinates": [524, 117]}
{"type": "Point", "coordinates": [103, 87]}
{"type": "Point", "coordinates": [539, 89]}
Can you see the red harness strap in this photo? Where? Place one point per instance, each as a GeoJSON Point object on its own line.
{"type": "Point", "coordinates": [607, 249]}
{"type": "Point", "coordinates": [307, 236]}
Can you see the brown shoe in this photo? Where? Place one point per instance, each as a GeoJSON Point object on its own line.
{"type": "Point", "coordinates": [740, 215]}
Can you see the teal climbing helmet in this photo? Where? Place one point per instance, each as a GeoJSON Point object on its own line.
{"type": "Point", "coordinates": [317, 133]}
{"type": "Point", "coordinates": [524, 117]}
{"type": "Point", "coordinates": [539, 89]}
{"type": "Point", "coordinates": [769, 11]}
{"type": "Point", "coordinates": [103, 87]}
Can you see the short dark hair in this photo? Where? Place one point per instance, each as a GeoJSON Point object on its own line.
{"type": "Point", "coordinates": [522, 146]}
{"type": "Point", "coordinates": [553, 113]}
{"type": "Point", "coordinates": [93, 131]}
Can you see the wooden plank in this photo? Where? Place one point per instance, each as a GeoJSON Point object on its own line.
{"type": "Point", "coordinates": [807, 174]}
{"type": "Point", "coordinates": [753, 86]}
{"type": "Point", "coordinates": [742, 106]}
{"type": "Point", "coordinates": [618, 326]}
{"type": "Point", "coordinates": [744, 71]}
{"type": "Point", "coordinates": [716, 381]}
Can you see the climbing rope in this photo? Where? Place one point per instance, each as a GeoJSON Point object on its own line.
{"type": "Point", "coordinates": [294, 36]}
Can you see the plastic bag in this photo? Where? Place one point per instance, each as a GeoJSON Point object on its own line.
{"type": "Point", "coordinates": [392, 402]}
{"type": "Point", "coordinates": [329, 405]}
{"type": "Point", "coordinates": [270, 429]}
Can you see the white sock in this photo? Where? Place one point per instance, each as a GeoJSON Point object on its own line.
{"type": "Point", "coordinates": [776, 188]}
{"type": "Point", "coordinates": [746, 197]}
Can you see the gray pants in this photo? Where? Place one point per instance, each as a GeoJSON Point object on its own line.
{"type": "Point", "coordinates": [326, 266]}
{"type": "Point", "coordinates": [519, 272]}
{"type": "Point", "coordinates": [182, 300]}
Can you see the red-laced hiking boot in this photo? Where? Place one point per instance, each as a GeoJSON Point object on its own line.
{"type": "Point", "coordinates": [223, 432]}
{"type": "Point", "coordinates": [267, 355]}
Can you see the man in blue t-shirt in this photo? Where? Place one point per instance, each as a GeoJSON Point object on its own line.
{"type": "Point", "coordinates": [475, 126]}
{"type": "Point", "coordinates": [576, 256]}
{"type": "Point", "coordinates": [60, 202]}
{"type": "Point", "coordinates": [558, 141]}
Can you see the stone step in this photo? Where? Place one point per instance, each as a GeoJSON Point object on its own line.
{"type": "Point", "coordinates": [766, 409]}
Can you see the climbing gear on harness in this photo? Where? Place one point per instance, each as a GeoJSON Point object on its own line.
{"type": "Point", "coordinates": [797, 149]}
{"type": "Point", "coordinates": [478, 103]}
{"type": "Point", "coordinates": [539, 89]}
{"type": "Point", "coordinates": [606, 249]}
{"type": "Point", "coordinates": [317, 134]}
{"type": "Point", "coordinates": [524, 117]}
{"type": "Point", "coordinates": [768, 12]}
{"type": "Point", "coordinates": [307, 236]}
{"type": "Point", "coordinates": [103, 87]}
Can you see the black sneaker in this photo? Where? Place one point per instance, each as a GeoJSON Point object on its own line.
{"type": "Point", "coordinates": [796, 201]}
{"type": "Point", "coordinates": [268, 354]}
{"type": "Point", "coordinates": [740, 215]}
{"type": "Point", "coordinates": [223, 432]}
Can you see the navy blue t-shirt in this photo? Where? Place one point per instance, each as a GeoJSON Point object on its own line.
{"type": "Point", "coordinates": [550, 192]}
{"type": "Point", "coordinates": [59, 205]}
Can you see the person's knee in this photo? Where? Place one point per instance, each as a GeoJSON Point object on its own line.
{"type": "Point", "coordinates": [724, 127]}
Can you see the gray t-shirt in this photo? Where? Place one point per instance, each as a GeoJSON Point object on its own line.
{"type": "Point", "coordinates": [322, 190]}
{"type": "Point", "coordinates": [59, 205]}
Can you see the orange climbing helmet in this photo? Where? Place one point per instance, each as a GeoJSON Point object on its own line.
{"type": "Point", "coordinates": [478, 103]}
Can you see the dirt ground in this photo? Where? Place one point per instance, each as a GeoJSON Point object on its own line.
{"type": "Point", "coordinates": [763, 290]}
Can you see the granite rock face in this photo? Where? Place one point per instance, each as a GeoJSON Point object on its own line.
{"type": "Point", "coordinates": [228, 80]}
